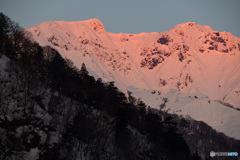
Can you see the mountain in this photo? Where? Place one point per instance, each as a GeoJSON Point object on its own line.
{"type": "Point", "coordinates": [186, 62]}
{"type": "Point", "coordinates": [50, 109]}
{"type": "Point", "coordinates": [189, 57]}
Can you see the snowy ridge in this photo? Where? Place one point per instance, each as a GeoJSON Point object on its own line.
{"type": "Point", "coordinates": [198, 106]}
{"type": "Point", "coordinates": [190, 58]}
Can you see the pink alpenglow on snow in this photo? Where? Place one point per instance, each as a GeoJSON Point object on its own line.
{"type": "Point", "coordinates": [187, 61]}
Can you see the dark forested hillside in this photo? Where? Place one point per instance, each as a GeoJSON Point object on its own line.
{"type": "Point", "coordinates": [52, 110]}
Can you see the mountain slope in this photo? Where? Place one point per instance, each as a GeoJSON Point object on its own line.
{"type": "Point", "coordinates": [198, 106]}
{"type": "Point", "coordinates": [191, 58]}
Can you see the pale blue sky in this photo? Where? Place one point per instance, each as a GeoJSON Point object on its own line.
{"type": "Point", "coordinates": [129, 16]}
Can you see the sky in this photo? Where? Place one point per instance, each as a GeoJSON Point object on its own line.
{"type": "Point", "coordinates": [128, 16]}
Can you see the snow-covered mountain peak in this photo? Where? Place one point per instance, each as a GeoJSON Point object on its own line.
{"type": "Point", "coordinates": [204, 39]}
{"type": "Point", "coordinates": [97, 25]}
{"type": "Point", "coordinates": [191, 27]}
{"type": "Point", "coordinates": [189, 57]}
